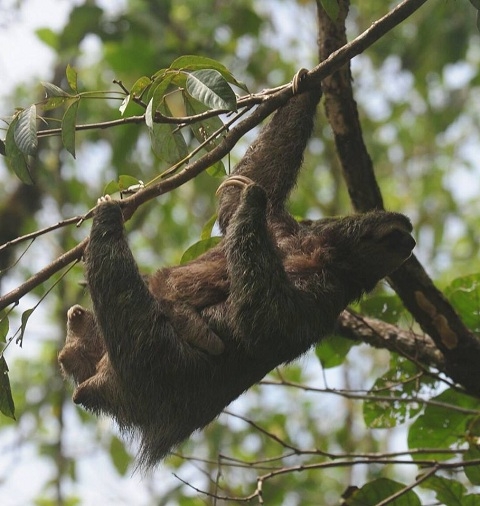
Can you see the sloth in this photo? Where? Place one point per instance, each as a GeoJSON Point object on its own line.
{"type": "Point", "coordinates": [165, 355]}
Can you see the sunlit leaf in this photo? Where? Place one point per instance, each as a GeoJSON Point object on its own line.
{"type": "Point", "coordinates": [26, 131]}
{"type": "Point", "coordinates": [217, 170]}
{"type": "Point", "coordinates": [211, 88]}
{"type": "Point", "coordinates": [332, 351]}
{"type": "Point", "coordinates": [398, 383]}
{"type": "Point", "coordinates": [111, 188]}
{"type": "Point", "coordinates": [124, 104]}
{"type": "Point", "coordinates": [464, 294]}
{"type": "Point", "coordinates": [71, 74]}
{"type": "Point", "coordinates": [69, 122]}
{"type": "Point", "coordinates": [120, 457]}
{"type": "Point", "coordinates": [140, 86]}
{"type": "Point", "coordinates": [54, 102]}
{"type": "Point", "coordinates": [48, 36]}
{"type": "Point", "coordinates": [442, 426]}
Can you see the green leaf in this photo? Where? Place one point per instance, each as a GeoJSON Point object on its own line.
{"type": "Point", "coordinates": [331, 8]}
{"type": "Point", "coordinates": [380, 489]}
{"type": "Point", "coordinates": [54, 102]}
{"type": "Point", "coordinates": [52, 90]}
{"type": "Point", "coordinates": [69, 122]}
{"type": "Point", "coordinates": [124, 104]}
{"type": "Point", "coordinates": [192, 63]}
{"type": "Point", "coordinates": [464, 294]}
{"type": "Point", "coordinates": [476, 4]}
{"type": "Point", "coordinates": [210, 88]}
{"type": "Point", "coordinates": [217, 170]}
{"type": "Point", "coordinates": [332, 351]}
{"type": "Point", "coordinates": [71, 74]}
{"type": "Point", "coordinates": [167, 142]}
{"type": "Point", "coordinates": [7, 406]}
{"type": "Point", "coordinates": [48, 36]}
{"type": "Point", "coordinates": [4, 326]}
{"type": "Point", "coordinates": [16, 160]}
{"type": "Point", "coordinates": [111, 188]}
{"type": "Point", "coordinates": [388, 308]}
{"type": "Point", "coordinates": [442, 426]}
{"type": "Point", "coordinates": [448, 492]}
{"type": "Point", "coordinates": [120, 457]}
{"type": "Point", "coordinates": [123, 183]}
{"type": "Point", "coordinates": [472, 472]}
{"type": "Point", "coordinates": [199, 248]}
{"type": "Point", "coordinates": [398, 383]}
{"type": "Point", "coordinates": [157, 93]}
{"type": "Point", "coordinates": [25, 316]}
{"type": "Point", "coordinates": [26, 131]}
{"type": "Point", "coordinates": [140, 86]}
{"type": "Point", "coordinates": [204, 129]}
{"type": "Point", "coordinates": [208, 227]}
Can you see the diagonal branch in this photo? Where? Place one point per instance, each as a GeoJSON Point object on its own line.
{"type": "Point", "coordinates": [436, 316]}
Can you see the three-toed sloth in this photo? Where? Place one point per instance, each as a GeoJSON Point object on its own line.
{"type": "Point", "coordinates": [164, 356]}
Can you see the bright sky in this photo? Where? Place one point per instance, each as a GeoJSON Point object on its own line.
{"type": "Point", "coordinates": [22, 56]}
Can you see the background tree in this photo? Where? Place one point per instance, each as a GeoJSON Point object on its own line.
{"type": "Point", "coordinates": [369, 417]}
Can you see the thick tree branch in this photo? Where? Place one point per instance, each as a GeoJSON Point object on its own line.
{"type": "Point", "coordinates": [269, 102]}
{"type": "Point", "coordinates": [427, 304]}
{"type": "Point", "coordinates": [387, 336]}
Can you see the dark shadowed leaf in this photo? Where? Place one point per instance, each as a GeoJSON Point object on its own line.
{"type": "Point", "coordinates": [68, 127]}
{"type": "Point", "coordinates": [199, 248]}
{"type": "Point", "coordinates": [378, 490]}
{"type": "Point", "coordinates": [331, 8]}
{"type": "Point", "coordinates": [7, 407]}
{"type": "Point", "coordinates": [25, 316]}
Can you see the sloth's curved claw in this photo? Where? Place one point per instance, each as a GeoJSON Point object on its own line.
{"type": "Point", "coordinates": [235, 180]}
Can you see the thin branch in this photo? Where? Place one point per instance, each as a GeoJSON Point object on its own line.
{"type": "Point", "coordinates": [38, 233]}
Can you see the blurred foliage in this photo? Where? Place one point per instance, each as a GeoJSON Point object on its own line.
{"type": "Point", "coordinates": [417, 90]}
